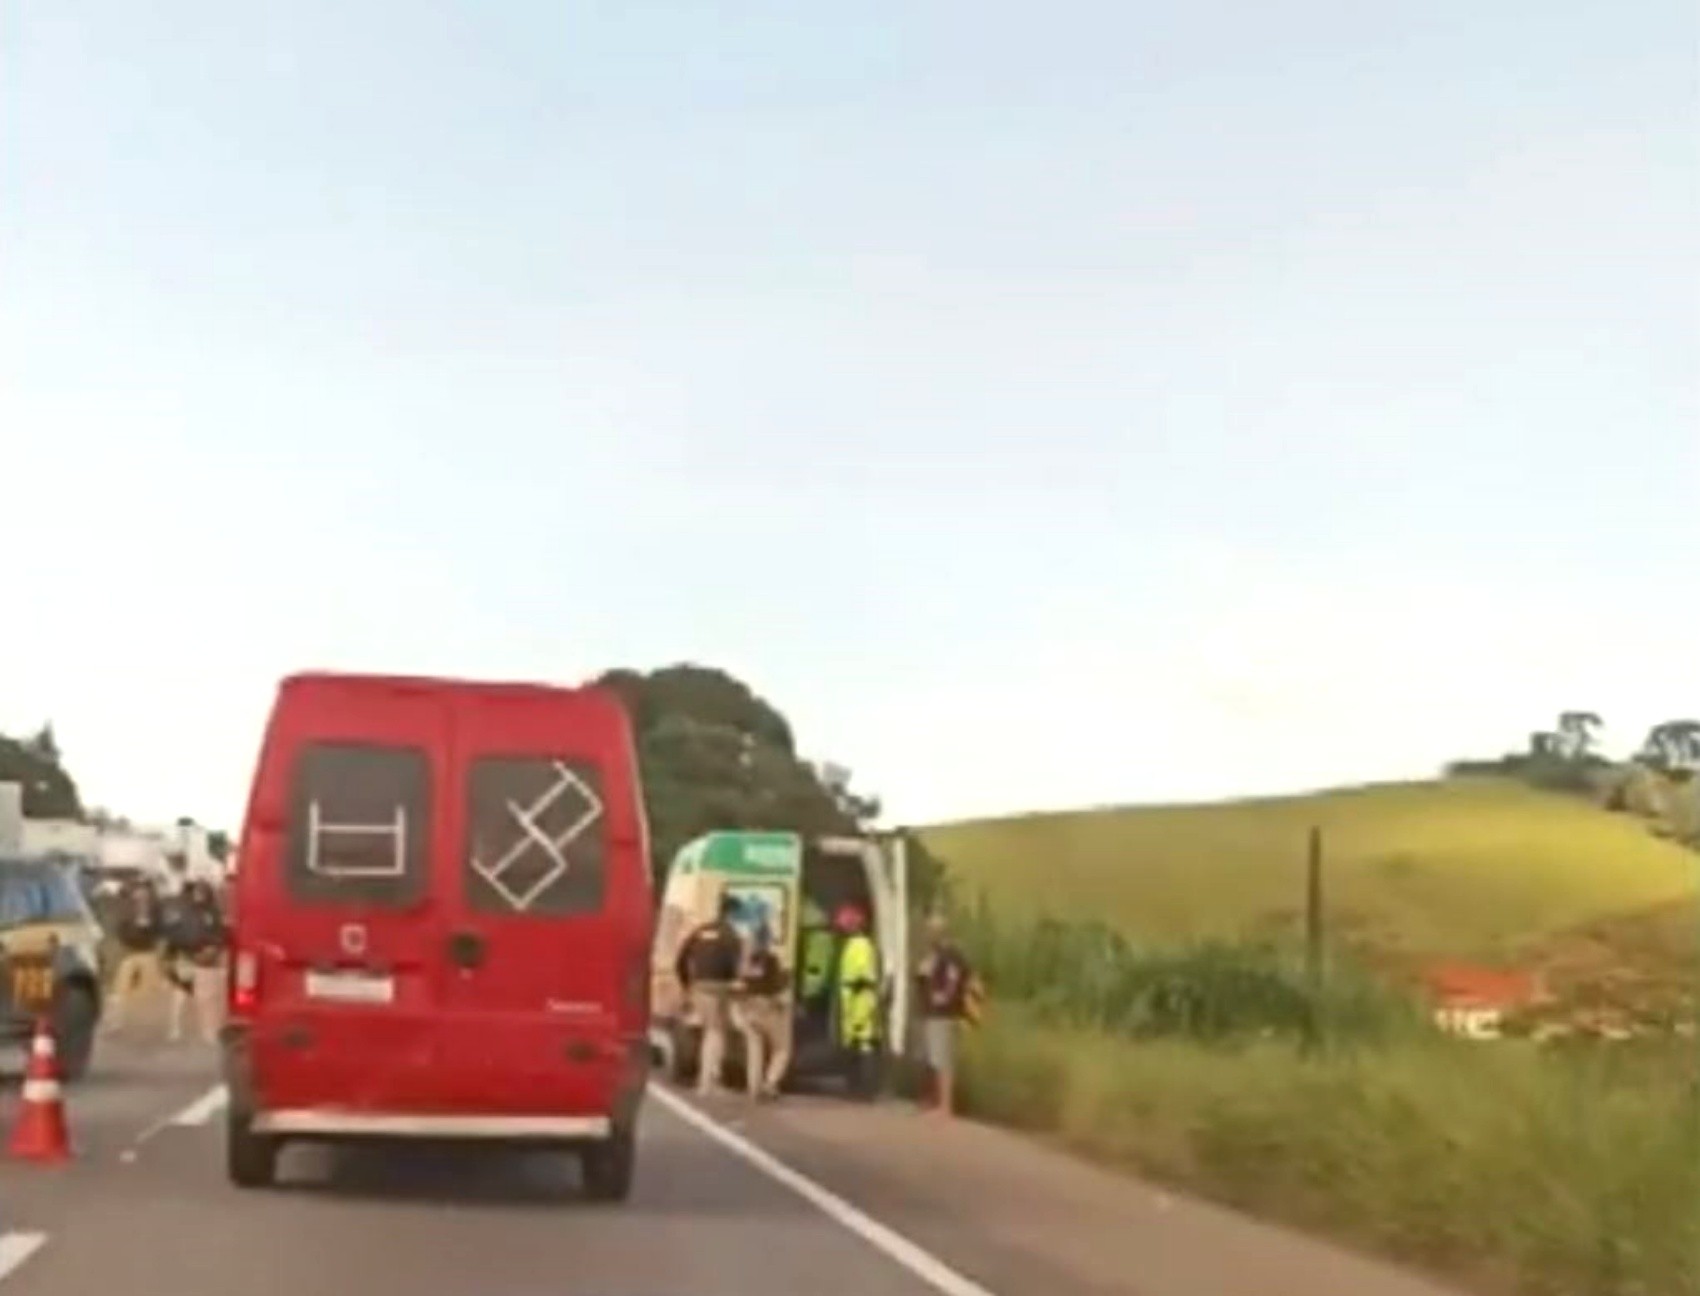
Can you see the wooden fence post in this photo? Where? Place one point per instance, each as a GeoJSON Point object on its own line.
{"type": "Point", "coordinates": [1316, 1033]}
{"type": "Point", "coordinates": [1314, 933]}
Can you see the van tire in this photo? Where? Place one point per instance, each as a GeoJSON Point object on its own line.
{"type": "Point", "coordinates": [610, 1166]}
{"type": "Point", "coordinates": [250, 1159]}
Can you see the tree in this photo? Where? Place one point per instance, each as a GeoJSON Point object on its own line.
{"type": "Point", "coordinates": [706, 694]}
{"type": "Point", "coordinates": [853, 805]}
{"type": "Point", "coordinates": [49, 792]}
{"type": "Point", "coordinates": [1672, 747]}
{"type": "Point", "coordinates": [715, 755]}
{"type": "Point", "coordinates": [44, 745]}
{"type": "Point", "coordinates": [1578, 734]}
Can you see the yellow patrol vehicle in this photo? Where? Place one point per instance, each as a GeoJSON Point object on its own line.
{"type": "Point", "coordinates": [50, 959]}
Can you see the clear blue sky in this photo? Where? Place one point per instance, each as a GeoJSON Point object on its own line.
{"type": "Point", "coordinates": [1042, 404]}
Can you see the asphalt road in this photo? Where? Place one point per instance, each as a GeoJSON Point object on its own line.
{"type": "Point", "coordinates": [807, 1199]}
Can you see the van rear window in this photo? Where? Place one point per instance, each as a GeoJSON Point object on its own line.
{"type": "Point", "coordinates": [536, 836]}
{"type": "Point", "coordinates": [360, 823]}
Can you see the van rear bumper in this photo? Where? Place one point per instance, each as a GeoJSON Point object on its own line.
{"type": "Point", "coordinates": [311, 1117]}
{"type": "Point", "coordinates": [312, 1123]}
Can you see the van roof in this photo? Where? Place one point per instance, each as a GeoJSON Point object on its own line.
{"type": "Point", "coordinates": [311, 681]}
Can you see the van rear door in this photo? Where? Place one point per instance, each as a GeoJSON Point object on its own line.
{"type": "Point", "coordinates": [542, 936]}
{"type": "Point", "coordinates": [889, 865]}
{"type": "Point", "coordinates": [346, 925]}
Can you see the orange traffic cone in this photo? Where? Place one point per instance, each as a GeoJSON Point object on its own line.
{"type": "Point", "coordinates": [41, 1134]}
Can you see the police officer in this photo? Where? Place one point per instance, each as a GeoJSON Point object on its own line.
{"type": "Point", "coordinates": [140, 967]}
{"type": "Point", "coordinates": [707, 968]}
{"type": "Point", "coordinates": [194, 949]}
{"type": "Point", "coordinates": [762, 1011]}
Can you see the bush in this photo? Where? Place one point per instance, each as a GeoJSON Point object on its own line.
{"type": "Point", "coordinates": [1089, 975]}
{"type": "Point", "coordinates": [1586, 775]}
{"type": "Point", "coordinates": [1521, 1169]}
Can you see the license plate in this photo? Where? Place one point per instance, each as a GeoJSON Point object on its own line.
{"type": "Point", "coordinates": [351, 987]}
{"type": "Point", "coordinates": [32, 987]}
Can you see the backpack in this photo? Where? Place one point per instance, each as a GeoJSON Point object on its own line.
{"type": "Point", "coordinates": [967, 1001]}
{"type": "Point", "coordinates": [189, 928]}
{"type": "Point", "coordinates": [974, 1000]}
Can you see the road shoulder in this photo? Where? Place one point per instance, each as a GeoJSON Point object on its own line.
{"type": "Point", "coordinates": [1019, 1216]}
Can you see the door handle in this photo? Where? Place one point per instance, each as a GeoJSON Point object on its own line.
{"type": "Point", "coordinates": [466, 949]}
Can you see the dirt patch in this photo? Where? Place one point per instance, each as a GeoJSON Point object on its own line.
{"type": "Point", "coordinates": [1640, 966]}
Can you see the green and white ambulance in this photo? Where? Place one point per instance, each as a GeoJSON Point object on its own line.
{"type": "Point", "coordinates": [793, 886]}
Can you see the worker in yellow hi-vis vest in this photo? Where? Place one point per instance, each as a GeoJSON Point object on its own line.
{"type": "Point", "coordinates": [819, 947]}
{"type": "Point", "coordinates": [858, 987]}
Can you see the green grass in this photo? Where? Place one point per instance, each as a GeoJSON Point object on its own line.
{"type": "Point", "coordinates": [1146, 1008]}
{"type": "Point", "coordinates": [1512, 1169]}
{"type": "Point", "coordinates": [1089, 975]}
{"type": "Point", "coordinates": [1477, 868]}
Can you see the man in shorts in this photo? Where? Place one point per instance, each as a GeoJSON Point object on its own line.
{"type": "Point", "coordinates": [138, 931]}
{"type": "Point", "coordinates": [943, 977]}
{"type": "Point", "coordinates": [194, 952]}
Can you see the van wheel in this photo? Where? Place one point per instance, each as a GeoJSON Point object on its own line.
{"type": "Point", "coordinates": [609, 1167]}
{"type": "Point", "coordinates": [250, 1159]}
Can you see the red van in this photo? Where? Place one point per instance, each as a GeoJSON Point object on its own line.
{"type": "Point", "coordinates": [441, 924]}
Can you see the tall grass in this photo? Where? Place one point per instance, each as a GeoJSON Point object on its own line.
{"type": "Point", "coordinates": [1537, 1171]}
{"type": "Point", "coordinates": [1090, 975]}
{"type": "Point", "coordinates": [1510, 1168]}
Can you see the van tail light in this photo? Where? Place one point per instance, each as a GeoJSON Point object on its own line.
{"type": "Point", "coordinates": [245, 981]}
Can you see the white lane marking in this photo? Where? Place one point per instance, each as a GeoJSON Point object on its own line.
{"type": "Point", "coordinates": [15, 1248]}
{"type": "Point", "coordinates": [923, 1264]}
{"type": "Point", "coordinates": [199, 1112]}
{"type": "Point", "coordinates": [204, 1108]}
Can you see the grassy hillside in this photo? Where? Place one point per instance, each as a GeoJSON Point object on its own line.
{"type": "Point", "coordinates": [1479, 868]}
